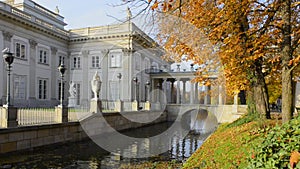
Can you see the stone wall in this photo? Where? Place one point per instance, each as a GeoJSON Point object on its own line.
{"type": "Point", "coordinates": [13, 139]}
{"type": "Point", "coordinates": [223, 113]}
{"type": "Point", "coordinates": [21, 138]}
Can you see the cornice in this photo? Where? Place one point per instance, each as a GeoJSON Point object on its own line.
{"type": "Point", "coordinates": [56, 33]}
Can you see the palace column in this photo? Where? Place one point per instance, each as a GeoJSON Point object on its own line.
{"type": "Point", "coordinates": [172, 95]}
{"type": "Point", "coordinates": [192, 92]}
{"type": "Point", "coordinates": [152, 89]}
{"type": "Point", "coordinates": [196, 101]}
{"type": "Point", "coordinates": [183, 91]}
{"type": "Point", "coordinates": [205, 95]}
{"type": "Point", "coordinates": [54, 76]}
{"type": "Point", "coordinates": [86, 91]}
{"type": "Point", "coordinates": [165, 91]}
{"type": "Point", "coordinates": [178, 91]}
{"type": "Point", "coordinates": [158, 87]}
{"type": "Point", "coordinates": [220, 96]}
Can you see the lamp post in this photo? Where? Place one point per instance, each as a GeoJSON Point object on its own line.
{"type": "Point", "coordinates": [62, 69]}
{"type": "Point", "coordinates": [147, 90]}
{"type": "Point", "coordinates": [119, 76]}
{"type": "Point", "coordinates": [8, 58]}
{"type": "Point", "coordinates": [135, 80]}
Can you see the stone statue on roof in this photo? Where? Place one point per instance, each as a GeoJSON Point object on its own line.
{"type": "Point", "coordinates": [129, 15]}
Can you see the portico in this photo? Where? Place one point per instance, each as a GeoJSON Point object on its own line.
{"type": "Point", "coordinates": [179, 88]}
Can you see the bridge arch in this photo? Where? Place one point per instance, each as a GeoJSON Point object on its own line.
{"type": "Point", "coordinates": [199, 120]}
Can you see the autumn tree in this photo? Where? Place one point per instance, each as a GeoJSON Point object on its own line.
{"type": "Point", "coordinates": [251, 35]}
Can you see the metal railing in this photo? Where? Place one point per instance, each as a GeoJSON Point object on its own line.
{"type": "Point", "coordinates": [36, 116]}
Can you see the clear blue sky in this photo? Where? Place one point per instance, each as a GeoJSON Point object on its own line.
{"type": "Point", "coordinates": [88, 12]}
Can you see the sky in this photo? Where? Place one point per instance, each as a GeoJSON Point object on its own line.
{"type": "Point", "coordinates": [87, 13]}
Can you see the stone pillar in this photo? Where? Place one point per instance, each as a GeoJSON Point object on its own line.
{"type": "Point", "coordinates": [178, 91]}
{"type": "Point", "coordinates": [86, 91]}
{"type": "Point", "coordinates": [196, 101]}
{"type": "Point", "coordinates": [54, 85]}
{"type": "Point", "coordinates": [165, 90]}
{"type": "Point", "coordinates": [152, 97]}
{"type": "Point", "coordinates": [6, 44]}
{"type": "Point", "coordinates": [236, 98]}
{"type": "Point", "coordinates": [172, 95]}
{"type": "Point", "coordinates": [205, 95]}
{"type": "Point", "coordinates": [158, 88]}
{"type": "Point", "coordinates": [220, 96]}
{"type": "Point", "coordinates": [61, 114]}
{"type": "Point", "coordinates": [119, 105]}
{"type": "Point", "coordinates": [134, 105]}
{"type": "Point", "coordinates": [95, 106]}
{"type": "Point", "coordinates": [183, 92]}
{"type": "Point", "coordinates": [208, 94]}
{"type": "Point", "coordinates": [8, 117]}
{"type": "Point", "coordinates": [192, 93]}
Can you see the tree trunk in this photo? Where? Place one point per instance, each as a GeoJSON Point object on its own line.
{"type": "Point", "coordinates": [251, 101]}
{"type": "Point", "coordinates": [260, 101]}
{"type": "Point", "coordinates": [286, 56]}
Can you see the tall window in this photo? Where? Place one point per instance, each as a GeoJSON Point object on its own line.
{"type": "Point", "coordinates": [61, 60]}
{"type": "Point", "coordinates": [115, 59]}
{"type": "Point", "coordinates": [20, 50]}
{"type": "Point", "coordinates": [76, 62]}
{"type": "Point", "coordinates": [42, 84]}
{"type": "Point", "coordinates": [59, 90]}
{"type": "Point", "coordinates": [95, 62]}
{"type": "Point", "coordinates": [19, 87]}
{"type": "Point", "coordinates": [43, 56]}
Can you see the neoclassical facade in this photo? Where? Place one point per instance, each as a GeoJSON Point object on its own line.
{"type": "Point", "coordinates": [36, 36]}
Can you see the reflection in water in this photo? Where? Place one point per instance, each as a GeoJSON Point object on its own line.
{"type": "Point", "coordinates": [87, 154]}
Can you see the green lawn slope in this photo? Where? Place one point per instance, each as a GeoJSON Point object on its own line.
{"type": "Point", "coordinates": [249, 143]}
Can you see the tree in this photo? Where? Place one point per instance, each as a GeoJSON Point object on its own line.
{"type": "Point", "coordinates": [251, 35]}
{"type": "Point", "coordinates": [289, 26]}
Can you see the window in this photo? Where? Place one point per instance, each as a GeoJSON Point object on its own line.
{"type": "Point", "coordinates": [19, 87]}
{"type": "Point", "coordinates": [61, 60]}
{"type": "Point", "coordinates": [42, 84]}
{"type": "Point", "coordinates": [43, 57]}
{"type": "Point", "coordinates": [20, 50]}
{"type": "Point", "coordinates": [76, 62]}
{"type": "Point", "coordinates": [95, 62]}
{"type": "Point", "coordinates": [115, 60]}
{"type": "Point", "coordinates": [59, 92]}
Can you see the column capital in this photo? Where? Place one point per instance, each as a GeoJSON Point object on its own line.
{"type": "Point", "coordinates": [7, 35]}
{"type": "Point", "coordinates": [85, 53]}
{"type": "Point", "coordinates": [32, 43]}
{"type": "Point", "coordinates": [53, 50]}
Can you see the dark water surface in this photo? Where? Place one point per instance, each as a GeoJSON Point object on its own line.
{"type": "Point", "coordinates": [87, 155]}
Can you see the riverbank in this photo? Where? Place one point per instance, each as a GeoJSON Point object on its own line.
{"type": "Point", "coordinates": [250, 143]}
{"type": "Point", "coordinates": [242, 144]}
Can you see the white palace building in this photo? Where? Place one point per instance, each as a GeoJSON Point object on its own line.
{"type": "Point", "coordinates": [39, 42]}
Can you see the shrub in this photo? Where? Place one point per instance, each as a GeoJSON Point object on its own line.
{"type": "Point", "coordinates": [278, 144]}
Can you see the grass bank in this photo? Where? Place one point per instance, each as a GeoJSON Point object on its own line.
{"type": "Point", "coordinates": [250, 143]}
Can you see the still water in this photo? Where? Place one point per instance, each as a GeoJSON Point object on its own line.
{"type": "Point", "coordinates": [86, 154]}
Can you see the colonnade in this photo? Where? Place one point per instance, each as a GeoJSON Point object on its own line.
{"type": "Point", "coordinates": [183, 91]}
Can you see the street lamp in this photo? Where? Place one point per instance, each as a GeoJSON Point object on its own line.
{"type": "Point", "coordinates": [62, 69]}
{"type": "Point", "coordinates": [147, 90]}
{"type": "Point", "coordinates": [8, 58]}
{"type": "Point", "coordinates": [135, 80]}
{"type": "Point", "coordinates": [119, 76]}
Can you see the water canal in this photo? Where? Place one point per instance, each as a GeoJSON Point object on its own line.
{"type": "Point", "coordinates": [88, 155]}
